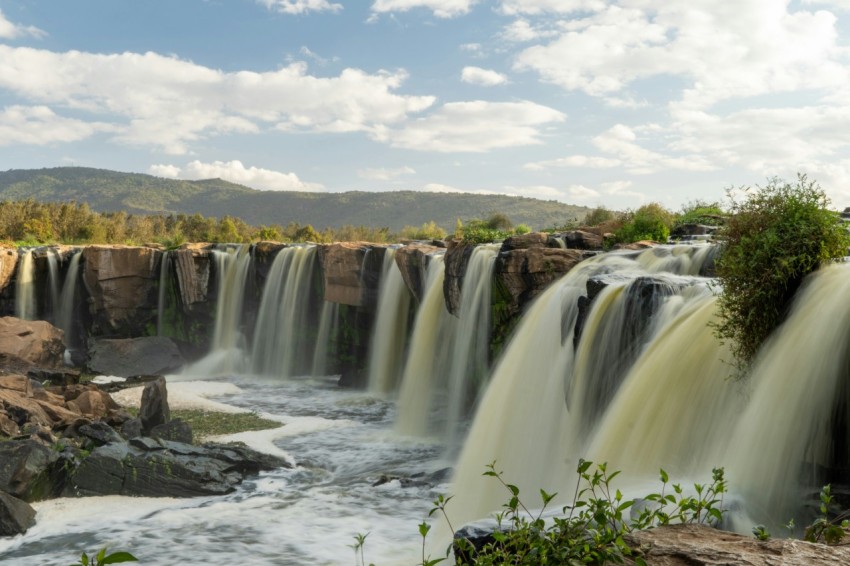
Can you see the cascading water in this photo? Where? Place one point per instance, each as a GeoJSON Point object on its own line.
{"type": "Point", "coordinates": [52, 256]}
{"type": "Point", "coordinates": [283, 346]}
{"type": "Point", "coordinates": [25, 307]}
{"type": "Point", "coordinates": [67, 298]}
{"type": "Point", "coordinates": [328, 323]}
{"type": "Point", "coordinates": [164, 268]}
{"type": "Point", "coordinates": [425, 362]}
{"type": "Point", "coordinates": [469, 358]}
{"type": "Point", "coordinates": [386, 355]}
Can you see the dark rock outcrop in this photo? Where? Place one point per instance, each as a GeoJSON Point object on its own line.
{"type": "Point", "coordinates": [149, 355]}
{"type": "Point", "coordinates": [157, 468]}
{"type": "Point", "coordinates": [154, 410]}
{"type": "Point", "coordinates": [456, 261]}
{"type": "Point", "coordinates": [413, 261]}
{"type": "Point", "coordinates": [16, 516]}
{"type": "Point", "coordinates": [27, 470]}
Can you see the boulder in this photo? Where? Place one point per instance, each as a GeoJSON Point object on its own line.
{"type": "Point", "coordinates": [8, 263]}
{"type": "Point", "coordinates": [27, 469]}
{"type": "Point", "coordinates": [122, 283]}
{"type": "Point", "coordinates": [154, 408]}
{"type": "Point", "coordinates": [582, 240]}
{"type": "Point", "coordinates": [525, 241]}
{"type": "Point", "coordinates": [695, 545]}
{"type": "Point", "coordinates": [95, 404]}
{"type": "Point", "coordinates": [175, 430]}
{"type": "Point", "coordinates": [413, 261]}
{"type": "Point", "coordinates": [157, 468]}
{"type": "Point", "coordinates": [149, 355]}
{"type": "Point", "coordinates": [35, 342]}
{"type": "Point", "coordinates": [16, 516]}
{"type": "Point", "coordinates": [99, 433]}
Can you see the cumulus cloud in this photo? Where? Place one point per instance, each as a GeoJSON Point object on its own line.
{"type": "Point", "coordinates": [482, 77]}
{"type": "Point", "coordinates": [591, 162]}
{"type": "Point", "coordinates": [535, 7]}
{"type": "Point", "coordinates": [476, 126]}
{"type": "Point", "coordinates": [440, 8]}
{"type": "Point", "coordinates": [39, 125]}
{"type": "Point", "coordinates": [168, 102]}
{"type": "Point", "coordinates": [839, 4]}
{"type": "Point", "coordinates": [521, 31]}
{"type": "Point", "coordinates": [384, 173]}
{"type": "Point", "coordinates": [9, 30]}
{"type": "Point", "coordinates": [236, 172]}
{"type": "Point", "coordinates": [622, 142]}
{"type": "Point", "coordinates": [297, 7]}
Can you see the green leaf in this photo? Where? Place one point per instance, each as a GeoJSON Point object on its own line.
{"type": "Point", "coordinates": [100, 555]}
{"type": "Point", "coordinates": [664, 477]}
{"type": "Point", "coordinates": [424, 528]}
{"type": "Point", "coordinates": [117, 557]}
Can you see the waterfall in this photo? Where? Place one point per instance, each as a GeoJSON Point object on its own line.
{"type": "Point", "coordinates": [425, 361]}
{"type": "Point", "coordinates": [67, 300]}
{"type": "Point", "coordinates": [227, 343]}
{"type": "Point", "coordinates": [283, 345]}
{"type": "Point", "coordinates": [164, 267]}
{"type": "Point", "coordinates": [52, 256]}
{"type": "Point", "coordinates": [470, 348]}
{"type": "Point", "coordinates": [25, 287]}
{"type": "Point", "coordinates": [328, 324]}
{"type": "Point", "coordinates": [386, 355]}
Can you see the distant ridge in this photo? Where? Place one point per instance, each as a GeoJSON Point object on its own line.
{"type": "Point", "coordinates": [136, 193]}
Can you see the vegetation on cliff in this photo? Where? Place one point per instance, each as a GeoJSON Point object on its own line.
{"type": "Point", "coordinates": [774, 238]}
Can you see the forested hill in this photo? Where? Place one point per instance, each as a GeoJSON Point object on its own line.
{"type": "Point", "coordinates": [108, 191]}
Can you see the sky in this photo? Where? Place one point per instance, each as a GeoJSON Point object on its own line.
{"type": "Point", "coordinates": [589, 102]}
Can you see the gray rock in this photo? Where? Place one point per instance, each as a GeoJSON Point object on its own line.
{"type": "Point", "coordinates": [150, 355]}
{"type": "Point", "coordinates": [100, 433]}
{"type": "Point", "coordinates": [154, 410]}
{"type": "Point", "coordinates": [175, 430]}
{"type": "Point", "coordinates": [16, 516]}
{"type": "Point", "coordinates": [132, 428]}
{"type": "Point", "coordinates": [27, 469]}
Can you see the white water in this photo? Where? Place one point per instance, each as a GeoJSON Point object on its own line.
{"type": "Point", "coordinates": [53, 282]}
{"type": "Point", "coordinates": [386, 355]}
{"type": "Point", "coordinates": [282, 344]}
{"type": "Point", "coordinates": [25, 287]}
{"type": "Point", "coordinates": [328, 324]}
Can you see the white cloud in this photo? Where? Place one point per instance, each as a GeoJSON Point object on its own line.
{"type": "Point", "coordinates": [482, 77]}
{"type": "Point", "coordinates": [9, 30]}
{"type": "Point", "coordinates": [521, 31]}
{"type": "Point", "coordinates": [534, 7]}
{"type": "Point", "coordinates": [622, 142]}
{"type": "Point", "coordinates": [306, 52]}
{"type": "Point", "coordinates": [721, 50]}
{"type": "Point", "coordinates": [440, 188]}
{"type": "Point", "coordinates": [476, 126]}
{"type": "Point", "coordinates": [236, 172]}
{"type": "Point", "coordinates": [839, 4]}
{"type": "Point", "coordinates": [591, 162]}
{"type": "Point", "coordinates": [582, 193]}
{"type": "Point", "coordinates": [440, 8]}
{"type": "Point", "coordinates": [384, 173]}
{"type": "Point", "coordinates": [168, 102]}
{"type": "Point", "coordinates": [297, 7]}
{"type": "Point", "coordinates": [39, 125]}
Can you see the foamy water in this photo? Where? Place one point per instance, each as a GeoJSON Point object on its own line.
{"type": "Point", "coordinates": [343, 443]}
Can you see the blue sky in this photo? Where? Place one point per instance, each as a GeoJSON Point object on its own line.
{"type": "Point", "coordinates": [589, 102]}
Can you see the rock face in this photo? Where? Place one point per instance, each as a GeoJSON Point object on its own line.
{"type": "Point", "coordinates": [456, 261]}
{"type": "Point", "coordinates": [412, 261]}
{"type": "Point", "coordinates": [150, 355]}
{"type": "Point", "coordinates": [16, 516]}
{"type": "Point", "coordinates": [696, 545]}
{"type": "Point", "coordinates": [122, 284]}
{"type": "Point", "coordinates": [8, 262]}
{"type": "Point", "coordinates": [191, 263]}
{"type": "Point", "coordinates": [148, 467]}
{"type": "Point", "coordinates": [36, 342]}
{"type": "Point", "coordinates": [27, 470]}
{"type": "Point", "coordinates": [522, 274]}
{"type": "Point", "coordinates": [342, 266]}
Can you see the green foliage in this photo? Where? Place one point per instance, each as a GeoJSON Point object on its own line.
{"type": "Point", "coordinates": [359, 549]}
{"type": "Point", "coordinates": [102, 559]}
{"type": "Point", "coordinates": [520, 229]}
{"type": "Point", "coordinates": [649, 222]}
{"type": "Point", "coordinates": [774, 238]}
{"type": "Point", "coordinates": [597, 216]}
{"type": "Point", "coordinates": [702, 212]}
{"type": "Point", "coordinates": [826, 530]}
{"type": "Point", "coordinates": [590, 529]}
{"type": "Point", "coordinates": [494, 229]}
{"type": "Point", "coordinates": [428, 231]}
{"type": "Point", "coordinates": [761, 533]}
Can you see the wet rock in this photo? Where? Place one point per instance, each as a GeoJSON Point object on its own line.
{"type": "Point", "coordinates": [456, 261]}
{"type": "Point", "coordinates": [152, 355]}
{"type": "Point", "coordinates": [154, 408]}
{"type": "Point", "coordinates": [157, 468]}
{"type": "Point", "coordinates": [132, 428]}
{"type": "Point", "coordinates": [99, 433]}
{"type": "Point", "coordinates": [122, 283]}
{"type": "Point", "coordinates": [36, 342]}
{"type": "Point", "coordinates": [16, 516]}
{"type": "Point", "coordinates": [413, 261]}
{"type": "Point", "coordinates": [582, 240]}
{"type": "Point", "coordinates": [696, 545]}
{"type": "Point", "coordinates": [192, 266]}
{"type": "Point", "coordinates": [57, 376]}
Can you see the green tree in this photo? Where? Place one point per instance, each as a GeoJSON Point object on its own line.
{"type": "Point", "coordinates": [775, 237]}
{"type": "Point", "coordinates": [597, 216]}
{"type": "Point", "coordinates": [649, 222]}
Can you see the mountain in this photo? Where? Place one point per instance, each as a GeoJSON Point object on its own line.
{"type": "Point", "coordinates": [107, 191]}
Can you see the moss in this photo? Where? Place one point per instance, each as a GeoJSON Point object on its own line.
{"type": "Point", "coordinates": [212, 423]}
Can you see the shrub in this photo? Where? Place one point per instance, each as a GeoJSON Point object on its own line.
{"type": "Point", "coordinates": [649, 222]}
{"type": "Point", "coordinates": [775, 237]}
{"type": "Point", "coordinates": [597, 216]}
{"type": "Point", "coordinates": [702, 212]}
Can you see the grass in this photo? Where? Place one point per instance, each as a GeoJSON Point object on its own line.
{"type": "Point", "coordinates": [213, 423]}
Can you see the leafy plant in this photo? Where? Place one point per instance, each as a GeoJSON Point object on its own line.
{"type": "Point", "coordinates": [649, 222]}
{"type": "Point", "coordinates": [826, 530]}
{"type": "Point", "coordinates": [101, 558]}
{"type": "Point", "coordinates": [774, 238]}
{"type": "Point", "coordinates": [358, 546]}
{"type": "Point", "coordinates": [761, 533]}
